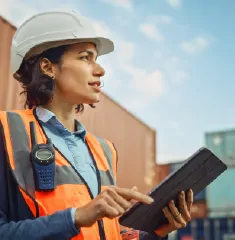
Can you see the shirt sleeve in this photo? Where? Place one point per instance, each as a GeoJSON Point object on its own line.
{"type": "Point", "coordinates": [57, 226]}
{"type": "Point", "coordinates": [73, 210]}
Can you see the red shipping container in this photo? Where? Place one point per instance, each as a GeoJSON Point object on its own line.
{"type": "Point", "coordinates": [161, 172]}
{"type": "Point", "coordinates": [199, 210]}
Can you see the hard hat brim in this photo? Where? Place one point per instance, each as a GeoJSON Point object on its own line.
{"type": "Point", "coordinates": [103, 46]}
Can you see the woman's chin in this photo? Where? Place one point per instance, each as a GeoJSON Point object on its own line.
{"type": "Point", "coordinates": [93, 99]}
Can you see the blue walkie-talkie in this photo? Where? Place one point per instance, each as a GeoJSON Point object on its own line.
{"type": "Point", "coordinates": [43, 161]}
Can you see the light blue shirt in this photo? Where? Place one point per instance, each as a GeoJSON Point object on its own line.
{"type": "Point", "coordinates": [72, 145]}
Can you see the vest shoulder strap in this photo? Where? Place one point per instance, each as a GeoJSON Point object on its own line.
{"type": "Point", "coordinates": [18, 146]}
{"type": "Point", "coordinates": [109, 155]}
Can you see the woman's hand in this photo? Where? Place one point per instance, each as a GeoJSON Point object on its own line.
{"type": "Point", "coordinates": [110, 203]}
{"type": "Point", "coordinates": [177, 218]}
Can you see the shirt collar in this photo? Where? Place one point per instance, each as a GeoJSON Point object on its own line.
{"type": "Point", "coordinates": [46, 116]}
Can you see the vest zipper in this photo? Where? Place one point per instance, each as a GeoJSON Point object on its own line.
{"type": "Point", "coordinates": [99, 222]}
{"type": "Point", "coordinates": [5, 147]}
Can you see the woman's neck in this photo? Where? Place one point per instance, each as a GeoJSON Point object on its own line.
{"type": "Point", "coordinates": [65, 114]}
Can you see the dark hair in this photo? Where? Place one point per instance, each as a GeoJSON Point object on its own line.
{"type": "Point", "coordinates": [38, 87]}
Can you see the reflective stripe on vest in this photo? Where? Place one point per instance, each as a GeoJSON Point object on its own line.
{"type": "Point", "coordinates": [108, 155]}
{"type": "Point", "coordinates": [71, 189]}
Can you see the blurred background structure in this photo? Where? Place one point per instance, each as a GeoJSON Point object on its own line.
{"type": "Point", "coordinates": [214, 208]}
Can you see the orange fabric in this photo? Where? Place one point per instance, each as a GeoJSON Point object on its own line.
{"type": "Point", "coordinates": [7, 140]}
{"type": "Point", "coordinates": [66, 195]}
{"type": "Point", "coordinates": [79, 197]}
{"type": "Point", "coordinates": [97, 152]}
{"type": "Point", "coordinates": [29, 202]}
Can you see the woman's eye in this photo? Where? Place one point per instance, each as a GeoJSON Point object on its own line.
{"type": "Point", "coordinates": [84, 58]}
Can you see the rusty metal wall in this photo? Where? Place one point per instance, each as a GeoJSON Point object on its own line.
{"type": "Point", "coordinates": [134, 140]}
{"type": "Point", "coordinates": [9, 89]}
{"type": "Point", "coordinates": [161, 172]}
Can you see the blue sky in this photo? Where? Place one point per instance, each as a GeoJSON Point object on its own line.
{"type": "Point", "coordinates": [173, 65]}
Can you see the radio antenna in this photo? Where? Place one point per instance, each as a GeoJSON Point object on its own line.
{"type": "Point", "coordinates": [33, 134]}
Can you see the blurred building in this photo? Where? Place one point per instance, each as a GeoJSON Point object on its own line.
{"type": "Point", "coordinates": [221, 193]}
{"type": "Point", "coordinates": [134, 140]}
{"type": "Point", "coordinates": [218, 221]}
{"type": "Point", "coordinates": [162, 171]}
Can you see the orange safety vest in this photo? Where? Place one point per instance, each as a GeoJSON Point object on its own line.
{"type": "Point", "coordinates": [72, 191]}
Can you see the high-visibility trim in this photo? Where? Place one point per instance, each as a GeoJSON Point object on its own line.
{"type": "Point", "coordinates": [106, 150]}
{"type": "Point", "coordinates": [114, 158]}
{"type": "Point", "coordinates": [108, 155]}
{"type": "Point", "coordinates": [106, 178]}
{"type": "Point", "coordinates": [21, 152]}
{"type": "Point", "coordinates": [97, 152]}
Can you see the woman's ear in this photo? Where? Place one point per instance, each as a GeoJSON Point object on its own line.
{"type": "Point", "coordinates": [47, 68]}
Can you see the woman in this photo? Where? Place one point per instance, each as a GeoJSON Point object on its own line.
{"type": "Point", "coordinates": [57, 181]}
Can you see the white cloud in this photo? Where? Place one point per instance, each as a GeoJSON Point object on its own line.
{"type": "Point", "coordinates": [160, 19]}
{"type": "Point", "coordinates": [180, 76]}
{"type": "Point", "coordinates": [174, 3]}
{"type": "Point", "coordinates": [151, 83]}
{"type": "Point", "coordinates": [141, 88]}
{"type": "Point", "coordinates": [195, 45]}
{"type": "Point", "coordinates": [152, 32]}
{"type": "Point", "coordinates": [135, 104]}
{"type": "Point", "coordinates": [5, 8]}
{"type": "Point", "coordinates": [175, 69]}
{"type": "Point", "coordinates": [102, 29]}
{"type": "Point", "coordinates": [16, 11]}
{"type": "Point", "coordinates": [124, 49]}
{"type": "Point", "coordinates": [165, 19]}
{"type": "Point", "coordinates": [172, 62]}
{"type": "Point", "coordinates": [127, 4]}
{"type": "Point", "coordinates": [151, 28]}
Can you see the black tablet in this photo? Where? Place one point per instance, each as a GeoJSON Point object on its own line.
{"type": "Point", "coordinates": [198, 171]}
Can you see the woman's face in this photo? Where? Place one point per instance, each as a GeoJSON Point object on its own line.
{"type": "Point", "coordinates": [77, 80]}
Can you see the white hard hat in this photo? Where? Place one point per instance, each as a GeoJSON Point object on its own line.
{"type": "Point", "coordinates": [52, 29]}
